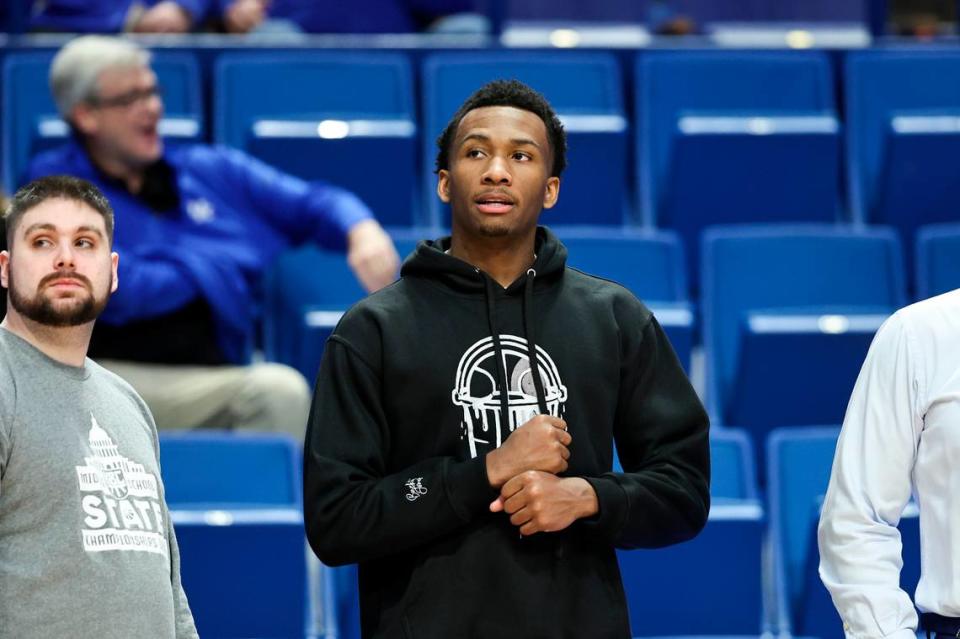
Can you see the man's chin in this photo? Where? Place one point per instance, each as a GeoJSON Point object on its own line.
{"type": "Point", "coordinates": [494, 230]}
{"type": "Point", "coordinates": [60, 314]}
{"type": "Point", "coordinates": [148, 159]}
{"type": "Point", "coordinates": [149, 154]}
{"type": "Point", "coordinates": [64, 315]}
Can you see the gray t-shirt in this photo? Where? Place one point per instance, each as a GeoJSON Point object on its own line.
{"type": "Point", "coordinates": [86, 544]}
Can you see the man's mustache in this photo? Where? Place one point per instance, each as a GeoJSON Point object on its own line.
{"type": "Point", "coordinates": [65, 275]}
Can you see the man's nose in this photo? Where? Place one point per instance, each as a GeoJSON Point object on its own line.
{"type": "Point", "coordinates": [65, 256]}
{"type": "Point", "coordinates": [154, 104]}
{"type": "Point", "coordinates": [497, 172]}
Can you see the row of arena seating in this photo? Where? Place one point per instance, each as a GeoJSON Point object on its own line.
{"type": "Point", "coordinates": [785, 318]}
{"type": "Point", "coordinates": [238, 496]}
{"type": "Point", "coordinates": [698, 137]}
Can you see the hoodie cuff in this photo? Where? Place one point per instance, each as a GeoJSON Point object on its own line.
{"type": "Point", "coordinates": [468, 489]}
{"type": "Point", "coordinates": [613, 504]}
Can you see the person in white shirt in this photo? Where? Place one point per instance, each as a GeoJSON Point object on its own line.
{"type": "Point", "coordinates": [900, 436]}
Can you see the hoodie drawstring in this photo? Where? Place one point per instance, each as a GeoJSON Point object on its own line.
{"type": "Point", "coordinates": [531, 342]}
{"type": "Point", "coordinates": [499, 364]}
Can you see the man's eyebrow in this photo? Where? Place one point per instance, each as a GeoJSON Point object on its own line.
{"type": "Point", "coordinates": [525, 141]}
{"type": "Point", "coordinates": [39, 226]}
{"type": "Point", "coordinates": [46, 226]}
{"type": "Point", "coordinates": [483, 137]}
{"type": "Point", "coordinates": [90, 229]}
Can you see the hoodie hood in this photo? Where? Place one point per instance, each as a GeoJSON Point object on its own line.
{"type": "Point", "coordinates": [430, 261]}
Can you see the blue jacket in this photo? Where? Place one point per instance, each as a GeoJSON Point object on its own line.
{"type": "Point", "coordinates": [98, 16]}
{"type": "Point", "coordinates": [236, 214]}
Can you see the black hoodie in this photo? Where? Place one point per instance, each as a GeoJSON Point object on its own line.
{"type": "Point", "coordinates": [407, 405]}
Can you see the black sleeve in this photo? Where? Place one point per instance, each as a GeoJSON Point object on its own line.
{"type": "Point", "coordinates": [661, 432]}
{"type": "Point", "coordinates": [354, 509]}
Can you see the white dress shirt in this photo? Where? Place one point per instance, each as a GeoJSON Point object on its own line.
{"type": "Point", "coordinates": [901, 435]}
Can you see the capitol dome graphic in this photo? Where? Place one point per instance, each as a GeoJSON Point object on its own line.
{"type": "Point", "coordinates": [107, 460]}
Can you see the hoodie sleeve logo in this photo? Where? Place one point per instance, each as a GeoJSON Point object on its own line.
{"type": "Point", "coordinates": [415, 488]}
{"type": "Point", "coordinates": [475, 390]}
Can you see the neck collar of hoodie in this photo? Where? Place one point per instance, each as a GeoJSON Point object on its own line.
{"type": "Point", "coordinates": [429, 261]}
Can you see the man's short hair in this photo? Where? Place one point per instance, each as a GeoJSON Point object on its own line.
{"type": "Point", "coordinates": [510, 93]}
{"type": "Point", "coordinates": [64, 187]}
{"type": "Point", "coordinates": [78, 65]}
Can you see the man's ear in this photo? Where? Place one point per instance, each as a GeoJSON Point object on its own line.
{"type": "Point", "coordinates": [443, 185]}
{"type": "Point", "coordinates": [552, 193]}
{"type": "Point", "coordinates": [83, 117]}
{"type": "Point", "coordinates": [114, 277]}
{"type": "Point", "coordinates": [5, 269]}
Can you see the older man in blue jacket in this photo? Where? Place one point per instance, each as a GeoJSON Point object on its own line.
{"type": "Point", "coordinates": [200, 225]}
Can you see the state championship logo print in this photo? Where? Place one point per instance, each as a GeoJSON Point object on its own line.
{"type": "Point", "coordinates": [477, 393]}
{"type": "Point", "coordinates": [120, 500]}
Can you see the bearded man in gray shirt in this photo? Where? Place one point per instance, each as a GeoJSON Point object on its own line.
{"type": "Point", "coordinates": [86, 544]}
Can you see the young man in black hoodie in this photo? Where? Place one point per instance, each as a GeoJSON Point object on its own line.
{"type": "Point", "coordinates": [461, 438]}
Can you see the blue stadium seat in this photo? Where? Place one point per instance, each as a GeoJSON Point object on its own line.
{"type": "Point", "coordinates": [800, 459]}
{"type": "Point", "coordinates": [691, 588]}
{"type": "Point", "coordinates": [31, 123]}
{"type": "Point", "coordinates": [350, 122]}
{"type": "Point", "coordinates": [232, 496]}
{"type": "Point", "coordinates": [938, 259]}
{"type": "Point", "coordinates": [789, 313]}
{"type": "Point", "coordinates": [733, 476]}
{"type": "Point", "coordinates": [307, 290]}
{"type": "Point", "coordinates": [903, 138]}
{"type": "Point", "coordinates": [727, 137]}
{"type": "Point", "coordinates": [263, 470]}
{"type": "Point", "coordinates": [649, 263]}
{"type": "Point", "coordinates": [799, 471]}
{"type": "Point", "coordinates": [585, 91]}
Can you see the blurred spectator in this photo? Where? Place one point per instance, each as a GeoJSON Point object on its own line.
{"type": "Point", "coordinates": [917, 18]}
{"type": "Point", "coordinates": [664, 19]}
{"type": "Point", "coordinates": [116, 16]}
{"type": "Point", "coordinates": [243, 16]}
{"type": "Point", "coordinates": [324, 16]}
{"type": "Point", "coordinates": [922, 18]}
{"type": "Point", "coordinates": [197, 226]}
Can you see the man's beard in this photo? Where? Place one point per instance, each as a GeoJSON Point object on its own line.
{"type": "Point", "coordinates": [494, 231]}
{"type": "Point", "coordinates": [493, 228]}
{"type": "Point", "coordinates": [42, 310]}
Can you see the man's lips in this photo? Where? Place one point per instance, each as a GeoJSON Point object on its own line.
{"type": "Point", "coordinates": [150, 130]}
{"type": "Point", "coordinates": [494, 203]}
{"type": "Point", "coordinates": [62, 281]}
{"type": "Point", "coordinates": [67, 282]}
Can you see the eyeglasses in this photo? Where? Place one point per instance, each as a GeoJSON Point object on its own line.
{"type": "Point", "coordinates": [126, 100]}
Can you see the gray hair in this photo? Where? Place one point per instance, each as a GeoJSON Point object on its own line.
{"type": "Point", "coordinates": [78, 65]}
